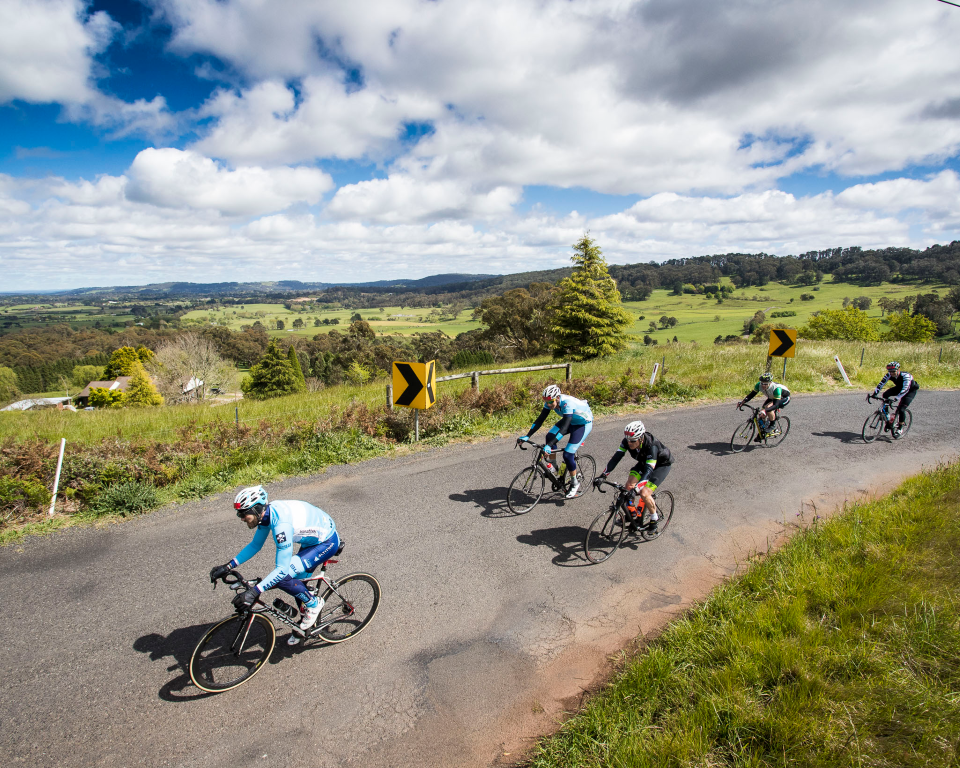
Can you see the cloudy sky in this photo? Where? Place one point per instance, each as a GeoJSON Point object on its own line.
{"type": "Point", "coordinates": [353, 140]}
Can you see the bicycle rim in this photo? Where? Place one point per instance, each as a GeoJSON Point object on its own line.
{"type": "Point", "coordinates": [783, 424]}
{"type": "Point", "coordinates": [348, 607]}
{"type": "Point", "coordinates": [742, 437]}
{"type": "Point", "coordinates": [525, 491]}
{"type": "Point", "coordinates": [604, 535]}
{"type": "Point", "coordinates": [586, 472]}
{"type": "Point", "coordinates": [872, 427]}
{"type": "Point", "coordinates": [907, 421]}
{"type": "Point", "coordinates": [229, 653]}
{"type": "Point", "coordinates": [665, 503]}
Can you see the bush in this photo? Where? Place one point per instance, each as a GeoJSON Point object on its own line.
{"type": "Point", "coordinates": [807, 297]}
{"type": "Point", "coordinates": [471, 358]}
{"type": "Point", "coordinates": [18, 497]}
{"type": "Point", "coordinates": [126, 499]}
{"type": "Point", "coordinates": [784, 313]}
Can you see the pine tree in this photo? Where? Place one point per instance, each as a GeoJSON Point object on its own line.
{"type": "Point", "coordinates": [297, 368]}
{"type": "Point", "coordinates": [141, 392]}
{"type": "Point", "coordinates": [589, 320]}
{"type": "Point", "coordinates": [273, 376]}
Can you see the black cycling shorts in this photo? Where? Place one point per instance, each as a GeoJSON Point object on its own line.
{"type": "Point", "coordinates": [656, 478]}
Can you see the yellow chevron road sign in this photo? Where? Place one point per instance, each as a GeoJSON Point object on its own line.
{"type": "Point", "coordinates": [783, 342]}
{"type": "Point", "coordinates": [415, 384]}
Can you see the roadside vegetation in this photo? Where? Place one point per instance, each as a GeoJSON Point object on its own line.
{"type": "Point", "coordinates": [841, 648]}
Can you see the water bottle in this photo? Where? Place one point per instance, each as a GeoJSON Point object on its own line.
{"type": "Point", "coordinates": [286, 609]}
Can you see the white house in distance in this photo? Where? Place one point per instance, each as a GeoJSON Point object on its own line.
{"type": "Point", "coordinates": [36, 402]}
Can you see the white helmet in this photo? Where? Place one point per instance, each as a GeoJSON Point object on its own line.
{"type": "Point", "coordinates": [552, 392]}
{"type": "Point", "coordinates": [634, 430]}
{"type": "Point", "coordinates": [248, 498]}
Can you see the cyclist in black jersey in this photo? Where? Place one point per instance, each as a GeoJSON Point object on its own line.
{"type": "Point", "coordinates": [653, 465]}
{"type": "Point", "coordinates": [902, 392]}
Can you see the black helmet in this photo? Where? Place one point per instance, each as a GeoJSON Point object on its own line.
{"type": "Point", "coordinates": [765, 377]}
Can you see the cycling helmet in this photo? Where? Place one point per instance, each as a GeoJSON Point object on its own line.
{"type": "Point", "coordinates": [765, 377]}
{"type": "Point", "coordinates": [250, 500]}
{"type": "Point", "coordinates": [552, 392]}
{"type": "Point", "coordinates": [634, 430]}
{"type": "Point", "coordinates": [893, 366]}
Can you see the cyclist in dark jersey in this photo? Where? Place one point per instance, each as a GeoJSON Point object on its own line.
{"type": "Point", "coordinates": [902, 392]}
{"type": "Point", "coordinates": [777, 396]}
{"type": "Point", "coordinates": [653, 465]}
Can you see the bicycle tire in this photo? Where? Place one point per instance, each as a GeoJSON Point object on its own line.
{"type": "Point", "coordinates": [907, 421]}
{"type": "Point", "coordinates": [665, 504]}
{"type": "Point", "coordinates": [525, 491]}
{"type": "Point", "coordinates": [743, 436]}
{"type": "Point", "coordinates": [783, 422]}
{"type": "Point", "coordinates": [215, 667]}
{"type": "Point", "coordinates": [351, 603]}
{"type": "Point", "coordinates": [586, 472]}
{"type": "Point", "coordinates": [604, 535]}
{"type": "Point", "coordinates": [872, 427]}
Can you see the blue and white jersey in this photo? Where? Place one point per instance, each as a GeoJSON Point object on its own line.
{"type": "Point", "coordinates": [289, 522]}
{"type": "Point", "coordinates": [578, 410]}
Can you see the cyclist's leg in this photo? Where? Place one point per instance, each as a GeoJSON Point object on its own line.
{"type": "Point", "coordinates": [904, 404]}
{"type": "Point", "coordinates": [578, 433]}
{"type": "Point", "coordinates": [304, 563]}
{"type": "Point", "coordinates": [655, 480]}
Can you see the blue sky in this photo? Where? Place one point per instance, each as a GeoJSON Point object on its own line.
{"type": "Point", "coordinates": [213, 140]}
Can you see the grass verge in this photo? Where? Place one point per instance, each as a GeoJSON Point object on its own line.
{"type": "Point", "coordinates": [842, 648]}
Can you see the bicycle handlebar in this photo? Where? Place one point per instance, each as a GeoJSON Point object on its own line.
{"type": "Point", "coordinates": [603, 481]}
{"type": "Point", "coordinates": [524, 443]}
{"type": "Point", "coordinates": [234, 579]}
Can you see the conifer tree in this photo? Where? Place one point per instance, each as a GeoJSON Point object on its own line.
{"type": "Point", "coordinates": [273, 376]}
{"type": "Point", "coordinates": [141, 391]}
{"type": "Point", "coordinates": [589, 320]}
{"type": "Point", "coordinates": [297, 368]}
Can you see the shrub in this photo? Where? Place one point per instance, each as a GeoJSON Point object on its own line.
{"type": "Point", "coordinates": [807, 297]}
{"type": "Point", "coordinates": [851, 324]}
{"type": "Point", "coordinates": [20, 496]}
{"type": "Point", "coordinates": [126, 499]}
{"type": "Point", "coordinates": [471, 358]}
{"type": "Point", "coordinates": [906, 327]}
{"type": "Point", "coordinates": [784, 313]}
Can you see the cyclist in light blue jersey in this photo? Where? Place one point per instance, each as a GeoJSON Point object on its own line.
{"type": "Point", "coordinates": [289, 523]}
{"type": "Point", "coordinates": [576, 420]}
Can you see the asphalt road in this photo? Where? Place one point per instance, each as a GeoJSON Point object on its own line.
{"type": "Point", "coordinates": [491, 625]}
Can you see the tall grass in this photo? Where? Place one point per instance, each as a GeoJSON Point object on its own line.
{"type": "Point", "coordinates": [841, 649]}
{"type": "Point", "coordinates": [718, 371]}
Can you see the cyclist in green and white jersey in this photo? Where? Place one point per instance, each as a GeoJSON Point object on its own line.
{"type": "Point", "coordinates": [777, 396]}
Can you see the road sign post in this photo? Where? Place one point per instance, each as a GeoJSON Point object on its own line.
{"type": "Point", "coordinates": [415, 386]}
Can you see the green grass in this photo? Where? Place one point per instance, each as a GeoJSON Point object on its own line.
{"type": "Point", "coordinates": [842, 649]}
{"type": "Point", "coordinates": [718, 372]}
{"type": "Point", "coordinates": [696, 315]}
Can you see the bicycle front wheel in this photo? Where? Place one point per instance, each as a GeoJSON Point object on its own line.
{"type": "Point", "coordinates": [348, 607]}
{"type": "Point", "coordinates": [586, 472]}
{"type": "Point", "coordinates": [605, 534]}
{"type": "Point", "coordinates": [525, 491]}
{"type": "Point", "coordinates": [743, 436]}
{"type": "Point", "coordinates": [872, 427]}
{"type": "Point", "coordinates": [907, 421]}
{"type": "Point", "coordinates": [665, 503]}
{"type": "Point", "coordinates": [232, 652]}
{"type": "Point", "coordinates": [780, 428]}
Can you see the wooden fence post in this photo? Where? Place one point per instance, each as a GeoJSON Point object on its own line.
{"type": "Point", "coordinates": [475, 380]}
{"type": "Point", "coordinates": [389, 397]}
{"type": "Point", "coordinates": [569, 371]}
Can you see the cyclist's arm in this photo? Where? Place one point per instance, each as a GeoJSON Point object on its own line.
{"type": "Point", "coordinates": [557, 430]}
{"type": "Point", "coordinates": [880, 385]}
{"type": "Point", "coordinates": [614, 460]}
{"type": "Point", "coordinates": [907, 381]}
{"type": "Point", "coordinates": [283, 536]}
{"type": "Point", "coordinates": [651, 463]}
{"type": "Point", "coordinates": [750, 395]}
{"type": "Point", "coordinates": [255, 545]}
{"type": "Point", "coordinates": [778, 393]}
{"type": "Point", "coordinates": [539, 422]}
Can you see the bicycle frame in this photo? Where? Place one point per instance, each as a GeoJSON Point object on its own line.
{"type": "Point", "coordinates": [539, 463]}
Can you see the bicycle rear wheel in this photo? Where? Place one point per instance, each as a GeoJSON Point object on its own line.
{"type": "Point", "coordinates": [907, 421]}
{"type": "Point", "coordinates": [348, 607]}
{"type": "Point", "coordinates": [525, 491]}
{"type": "Point", "coordinates": [586, 471]}
{"type": "Point", "coordinates": [605, 534]}
{"type": "Point", "coordinates": [232, 652]}
{"type": "Point", "coordinates": [872, 427]}
{"type": "Point", "coordinates": [743, 436]}
{"type": "Point", "coordinates": [665, 503]}
{"type": "Point", "coordinates": [776, 437]}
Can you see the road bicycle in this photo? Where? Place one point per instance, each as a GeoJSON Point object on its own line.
{"type": "Point", "coordinates": [233, 650]}
{"type": "Point", "coordinates": [610, 527]}
{"type": "Point", "coordinates": [773, 435]}
{"type": "Point", "coordinates": [882, 420]}
{"type": "Point", "coordinates": [528, 486]}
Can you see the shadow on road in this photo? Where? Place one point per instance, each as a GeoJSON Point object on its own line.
{"type": "Point", "coordinates": [843, 437]}
{"type": "Point", "coordinates": [717, 449]}
{"type": "Point", "coordinates": [565, 540]}
{"type": "Point", "coordinates": [491, 501]}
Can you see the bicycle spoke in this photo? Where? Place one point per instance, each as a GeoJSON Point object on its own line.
{"type": "Point", "coordinates": [604, 535]}
{"type": "Point", "coordinates": [743, 436]}
{"type": "Point", "coordinates": [348, 607]}
{"type": "Point", "coordinates": [665, 503]}
{"type": "Point", "coordinates": [231, 652]}
{"type": "Point", "coordinates": [873, 427]}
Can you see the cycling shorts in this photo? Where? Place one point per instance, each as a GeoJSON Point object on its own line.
{"type": "Point", "coordinates": [656, 478]}
{"type": "Point", "coordinates": [577, 434]}
{"type": "Point", "coordinates": [777, 404]}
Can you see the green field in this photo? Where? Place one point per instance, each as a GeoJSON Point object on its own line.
{"type": "Point", "coordinates": [77, 315]}
{"type": "Point", "coordinates": [697, 316]}
{"type": "Point", "coordinates": [391, 320]}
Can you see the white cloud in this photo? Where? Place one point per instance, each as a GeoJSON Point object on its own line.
{"type": "Point", "coordinates": [46, 49]}
{"type": "Point", "coordinates": [173, 178]}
